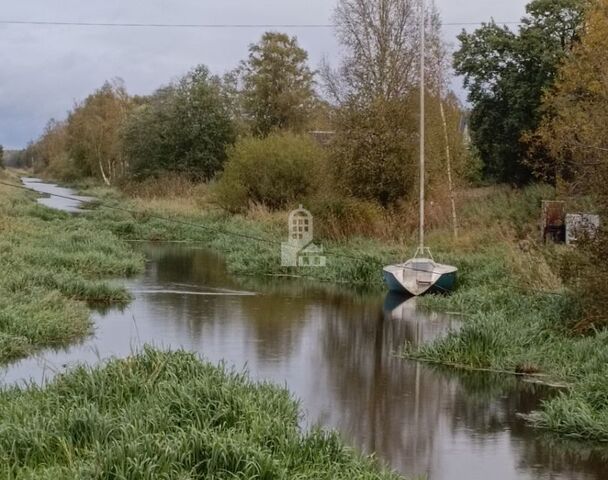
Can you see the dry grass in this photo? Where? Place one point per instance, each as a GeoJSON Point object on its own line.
{"type": "Point", "coordinates": [486, 216]}
{"type": "Point", "coordinates": [496, 216]}
{"type": "Point", "coordinates": [531, 269]}
{"type": "Point", "coordinates": [170, 186]}
{"type": "Point", "coordinates": [171, 195]}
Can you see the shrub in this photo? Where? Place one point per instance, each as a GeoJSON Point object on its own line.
{"type": "Point", "coordinates": [373, 153]}
{"type": "Point", "coordinates": [274, 171]}
{"type": "Point", "coordinates": [340, 218]}
{"type": "Point", "coordinates": [63, 168]}
{"type": "Point", "coordinates": [184, 128]}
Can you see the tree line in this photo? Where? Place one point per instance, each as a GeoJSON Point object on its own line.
{"type": "Point", "coordinates": [537, 113]}
{"type": "Point", "coordinates": [540, 113]}
{"type": "Point", "coordinates": [367, 105]}
{"type": "Point", "coordinates": [368, 101]}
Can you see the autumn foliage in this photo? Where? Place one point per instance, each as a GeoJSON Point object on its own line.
{"type": "Point", "coordinates": [575, 133]}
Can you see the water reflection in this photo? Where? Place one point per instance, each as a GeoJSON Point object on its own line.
{"type": "Point", "coordinates": [335, 350]}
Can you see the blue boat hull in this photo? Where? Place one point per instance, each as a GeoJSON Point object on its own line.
{"type": "Point", "coordinates": [445, 284]}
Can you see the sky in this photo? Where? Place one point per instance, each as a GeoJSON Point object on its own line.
{"type": "Point", "coordinates": [44, 70]}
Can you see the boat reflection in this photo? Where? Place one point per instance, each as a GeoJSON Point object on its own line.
{"type": "Point", "coordinates": [422, 328]}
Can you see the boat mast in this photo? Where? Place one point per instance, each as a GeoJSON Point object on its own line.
{"type": "Point", "coordinates": [422, 118]}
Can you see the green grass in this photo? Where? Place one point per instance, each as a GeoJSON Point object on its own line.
{"type": "Point", "coordinates": [53, 264]}
{"type": "Point", "coordinates": [509, 325]}
{"type": "Point", "coordinates": [357, 262]}
{"type": "Point", "coordinates": [506, 328]}
{"type": "Point", "coordinates": [166, 416]}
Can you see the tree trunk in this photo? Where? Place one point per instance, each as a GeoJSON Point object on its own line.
{"type": "Point", "coordinates": [103, 174]}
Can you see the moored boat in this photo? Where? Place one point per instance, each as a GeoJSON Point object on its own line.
{"type": "Point", "coordinates": [421, 274]}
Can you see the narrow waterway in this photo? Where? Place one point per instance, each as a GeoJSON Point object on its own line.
{"type": "Point", "coordinates": [62, 199]}
{"type": "Point", "coordinates": [334, 349]}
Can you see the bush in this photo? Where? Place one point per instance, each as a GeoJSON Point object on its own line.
{"type": "Point", "coordinates": [374, 151]}
{"type": "Point", "coordinates": [275, 172]}
{"type": "Point", "coordinates": [340, 218]}
{"type": "Point", "coordinates": [63, 168]}
{"type": "Point", "coordinates": [184, 128]}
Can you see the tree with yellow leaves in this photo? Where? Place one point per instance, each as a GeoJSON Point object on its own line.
{"type": "Point", "coordinates": [575, 132]}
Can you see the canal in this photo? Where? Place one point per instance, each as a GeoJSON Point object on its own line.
{"type": "Point", "coordinates": [334, 349]}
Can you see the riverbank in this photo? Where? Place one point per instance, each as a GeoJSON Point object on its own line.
{"type": "Point", "coordinates": [166, 415]}
{"type": "Point", "coordinates": [54, 267]}
{"type": "Point", "coordinates": [510, 328]}
{"type": "Point", "coordinates": [517, 314]}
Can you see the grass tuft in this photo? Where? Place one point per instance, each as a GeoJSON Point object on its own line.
{"type": "Point", "coordinates": [53, 265]}
{"type": "Point", "coordinates": [166, 415]}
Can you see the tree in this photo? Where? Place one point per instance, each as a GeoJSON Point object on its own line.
{"type": "Point", "coordinates": [506, 74]}
{"type": "Point", "coordinates": [380, 39]}
{"type": "Point", "coordinates": [50, 152]}
{"type": "Point", "coordinates": [376, 88]}
{"type": "Point", "coordinates": [1, 157]}
{"type": "Point", "coordinates": [575, 132]}
{"type": "Point", "coordinates": [373, 153]}
{"type": "Point", "coordinates": [183, 128]}
{"type": "Point", "coordinates": [276, 171]}
{"type": "Point", "coordinates": [93, 130]}
{"type": "Point", "coordinates": [278, 84]}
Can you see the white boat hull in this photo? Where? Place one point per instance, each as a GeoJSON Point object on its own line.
{"type": "Point", "coordinates": [419, 276]}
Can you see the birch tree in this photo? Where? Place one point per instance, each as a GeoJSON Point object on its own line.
{"type": "Point", "coordinates": [94, 133]}
{"type": "Point", "coordinates": [381, 44]}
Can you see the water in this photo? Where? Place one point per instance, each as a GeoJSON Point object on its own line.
{"type": "Point", "coordinates": [334, 349]}
{"type": "Point", "coordinates": [59, 203]}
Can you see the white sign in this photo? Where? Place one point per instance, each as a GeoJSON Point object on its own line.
{"type": "Point", "coordinates": [577, 224]}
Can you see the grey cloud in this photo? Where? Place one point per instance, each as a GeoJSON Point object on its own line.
{"type": "Point", "coordinates": [45, 69]}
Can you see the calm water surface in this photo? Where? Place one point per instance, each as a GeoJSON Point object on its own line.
{"type": "Point", "coordinates": [59, 203]}
{"type": "Point", "coordinates": [334, 349]}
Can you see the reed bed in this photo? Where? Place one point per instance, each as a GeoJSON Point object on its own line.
{"type": "Point", "coordinates": [161, 415]}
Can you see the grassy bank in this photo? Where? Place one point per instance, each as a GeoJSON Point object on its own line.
{"type": "Point", "coordinates": [493, 217]}
{"type": "Point", "coordinates": [508, 326]}
{"type": "Point", "coordinates": [251, 244]}
{"type": "Point", "coordinates": [517, 315]}
{"type": "Point", "coordinates": [52, 265]}
{"type": "Point", "coordinates": [166, 415]}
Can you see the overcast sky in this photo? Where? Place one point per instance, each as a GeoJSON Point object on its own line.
{"type": "Point", "coordinates": [45, 69]}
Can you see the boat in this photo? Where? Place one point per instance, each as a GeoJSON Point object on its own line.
{"type": "Point", "coordinates": [421, 274]}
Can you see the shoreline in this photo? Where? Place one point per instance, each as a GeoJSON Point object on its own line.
{"type": "Point", "coordinates": [504, 329]}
